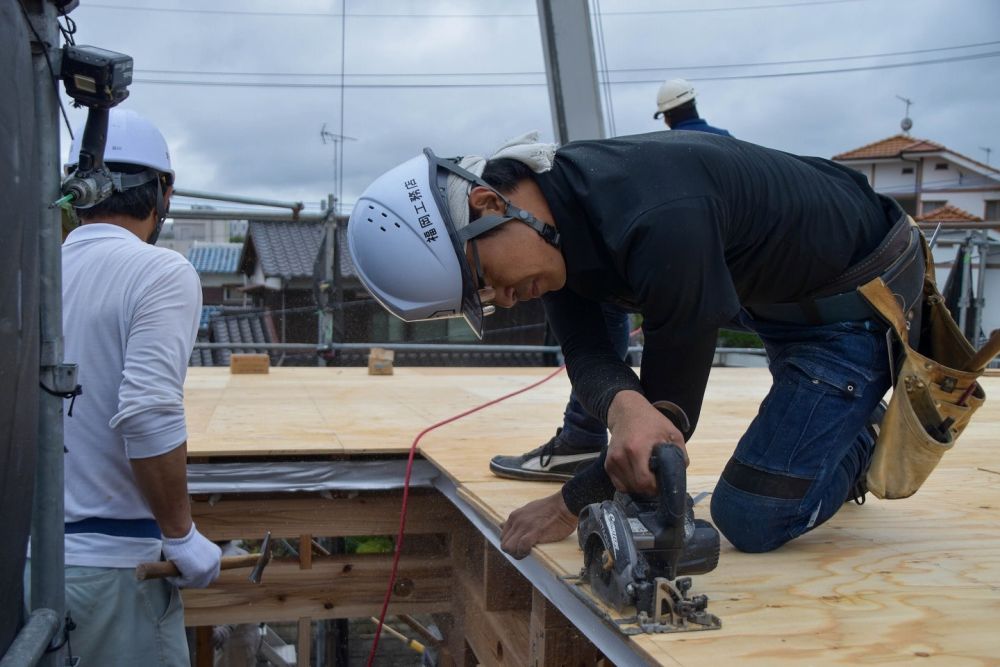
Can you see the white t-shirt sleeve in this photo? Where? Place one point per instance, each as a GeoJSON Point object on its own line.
{"type": "Point", "coordinates": [158, 345]}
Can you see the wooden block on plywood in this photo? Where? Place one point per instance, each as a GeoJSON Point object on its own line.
{"type": "Point", "coordinates": [380, 361]}
{"type": "Point", "coordinates": [242, 364]}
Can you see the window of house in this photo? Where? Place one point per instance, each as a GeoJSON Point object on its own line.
{"type": "Point", "coordinates": [907, 170]}
{"type": "Point", "coordinates": [932, 205]}
{"type": "Point", "coordinates": [233, 294]}
{"type": "Point", "coordinates": [992, 210]}
{"type": "Point", "coordinates": [941, 166]}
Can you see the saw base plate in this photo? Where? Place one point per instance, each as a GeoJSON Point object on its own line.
{"type": "Point", "coordinates": [670, 603]}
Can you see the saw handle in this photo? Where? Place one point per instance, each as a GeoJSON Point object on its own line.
{"type": "Point", "coordinates": [667, 520]}
{"type": "Point", "coordinates": [667, 464]}
{"type": "Point", "coordinates": [166, 568]}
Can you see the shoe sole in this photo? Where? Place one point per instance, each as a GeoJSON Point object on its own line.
{"type": "Point", "coordinates": [528, 475]}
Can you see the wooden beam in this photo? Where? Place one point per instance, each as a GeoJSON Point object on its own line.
{"type": "Point", "coordinates": [503, 586]}
{"type": "Point", "coordinates": [290, 517]}
{"type": "Point", "coordinates": [496, 637]}
{"type": "Point", "coordinates": [343, 586]}
{"type": "Point", "coordinates": [556, 641]}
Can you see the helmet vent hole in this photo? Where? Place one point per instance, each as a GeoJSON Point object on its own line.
{"type": "Point", "coordinates": [382, 228]}
{"type": "Point", "coordinates": [397, 225]}
{"type": "Point", "coordinates": [384, 215]}
{"type": "Point", "coordinates": [371, 207]}
{"type": "Point", "coordinates": [370, 220]}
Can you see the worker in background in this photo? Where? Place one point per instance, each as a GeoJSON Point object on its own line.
{"type": "Point", "coordinates": [675, 102]}
{"type": "Point", "coordinates": [582, 436]}
{"type": "Point", "coordinates": [694, 231]}
{"type": "Point", "coordinates": [130, 317]}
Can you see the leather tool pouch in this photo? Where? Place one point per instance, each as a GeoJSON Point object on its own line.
{"type": "Point", "coordinates": [935, 390]}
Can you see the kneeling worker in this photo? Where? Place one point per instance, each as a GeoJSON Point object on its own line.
{"type": "Point", "coordinates": [693, 231]}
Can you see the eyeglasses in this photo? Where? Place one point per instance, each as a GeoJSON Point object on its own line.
{"type": "Point", "coordinates": [485, 292]}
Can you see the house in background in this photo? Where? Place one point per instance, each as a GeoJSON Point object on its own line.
{"type": "Point", "coordinates": [182, 234]}
{"type": "Point", "coordinates": [218, 267]}
{"type": "Point", "coordinates": [279, 263]}
{"type": "Point", "coordinates": [923, 175]}
{"type": "Point", "coordinates": [935, 184]}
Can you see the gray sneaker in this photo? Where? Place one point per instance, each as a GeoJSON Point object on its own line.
{"type": "Point", "coordinates": [554, 461]}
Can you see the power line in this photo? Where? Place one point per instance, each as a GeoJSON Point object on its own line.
{"type": "Point", "coordinates": [539, 73]}
{"type": "Point", "coordinates": [388, 15]}
{"type": "Point", "coordinates": [257, 84]}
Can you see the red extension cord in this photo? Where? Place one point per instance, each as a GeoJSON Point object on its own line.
{"type": "Point", "coordinates": [406, 495]}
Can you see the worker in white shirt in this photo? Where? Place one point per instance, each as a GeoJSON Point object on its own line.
{"type": "Point", "coordinates": [130, 317]}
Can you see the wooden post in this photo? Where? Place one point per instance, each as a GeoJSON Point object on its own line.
{"type": "Point", "coordinates": [204, 651]}
{"type": "Point", "coordinates": [303, 645]}
{"type": "Point", "coordinates": [554, 640]}
{"type": "Point", "coordinates": [305, 552]}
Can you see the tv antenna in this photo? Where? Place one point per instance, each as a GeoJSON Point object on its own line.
{"type": "Point", "coordinates": [906, 123]}
{"type": "Point", "coordinates": [338, 160]}
{"type": "Point", "coordinates": [987, 150]}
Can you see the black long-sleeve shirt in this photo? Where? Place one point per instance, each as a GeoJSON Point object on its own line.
{"type": "Point", "coordinates": [687, 228]}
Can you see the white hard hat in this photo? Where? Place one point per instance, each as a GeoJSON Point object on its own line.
{"type": "Point", "coordinates": [405, 248]}
{"type": "Point", "coordinates": [132, 139]}
{"type": "Point", "coordinates": [672, 94]}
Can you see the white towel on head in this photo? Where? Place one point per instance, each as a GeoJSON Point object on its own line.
{"type": "Point", "coordinates": [525, 148]}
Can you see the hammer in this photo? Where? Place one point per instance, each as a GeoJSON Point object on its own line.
{"type": "Point", "coordinates": [166, 568]}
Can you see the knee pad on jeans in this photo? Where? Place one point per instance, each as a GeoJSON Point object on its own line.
{"type": "Point", "coordinates": [757, 510]}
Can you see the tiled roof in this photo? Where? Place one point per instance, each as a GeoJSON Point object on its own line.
{"type": "Point", "coordinates": [892, 147]}
{"type": "Point", "coordinates": [229, 325]}
{"type": "Point", "coordinates": [286, 249]}
{"type": "Point", "coordinates": [949, 213]}
{"type": "Point", "coordinates": [215, 257]}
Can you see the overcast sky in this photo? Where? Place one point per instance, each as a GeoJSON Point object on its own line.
{"type": "Point", "coordinates": [461, 77]}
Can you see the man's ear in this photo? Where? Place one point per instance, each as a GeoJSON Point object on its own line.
{"type": "Point", "coordinates": [484, 200]}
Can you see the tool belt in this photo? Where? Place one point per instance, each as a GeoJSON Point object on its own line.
{"type": "Point", "coordinates": [935, 389]}
{"type": "Point", "coordinates": [896, 260]}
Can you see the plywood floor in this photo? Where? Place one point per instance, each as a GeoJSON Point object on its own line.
{"type": "Point", "coordinates": [913, 581]}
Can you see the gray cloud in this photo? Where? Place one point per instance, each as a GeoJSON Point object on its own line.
{"type": "Point", "coordinates": [266, 141]}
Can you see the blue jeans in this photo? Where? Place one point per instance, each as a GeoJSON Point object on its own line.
{"type": "Point", "coordinates": [796, 464]}
{"type": "Point", "coordinates": [581, 430]}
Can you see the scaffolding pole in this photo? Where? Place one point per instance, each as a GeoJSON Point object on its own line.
{"type": "Point", "coordinates": [47, 550]}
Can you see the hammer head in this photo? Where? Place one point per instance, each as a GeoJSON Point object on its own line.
{"type": "Point", "coordinates": [265, 558]}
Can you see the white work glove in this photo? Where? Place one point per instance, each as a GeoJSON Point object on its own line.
{"type": "Point", "coordinates": [196, 557]}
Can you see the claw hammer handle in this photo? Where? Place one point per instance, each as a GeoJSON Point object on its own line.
{"type": "Point", "coordinates": [166, 568]}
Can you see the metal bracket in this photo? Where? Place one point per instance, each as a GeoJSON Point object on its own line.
{"type": "Point", "coordinates": [674, 611]}
{"type": "Point", "coordinates": [59, 379]}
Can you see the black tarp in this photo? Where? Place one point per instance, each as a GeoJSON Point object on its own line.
{"type": "Point", "coordinates": [958, 287]}
{"type": "Point", "coordinates": [19, 215]}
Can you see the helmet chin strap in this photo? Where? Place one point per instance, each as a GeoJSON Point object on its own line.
{"type": "Point", "coordinates": [162, 207]}
{"type": "Point", "coordinates": [482, 225]}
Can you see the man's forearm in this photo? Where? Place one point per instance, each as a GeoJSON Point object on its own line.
{"type": "Point", "coordinates": [163, 482]}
